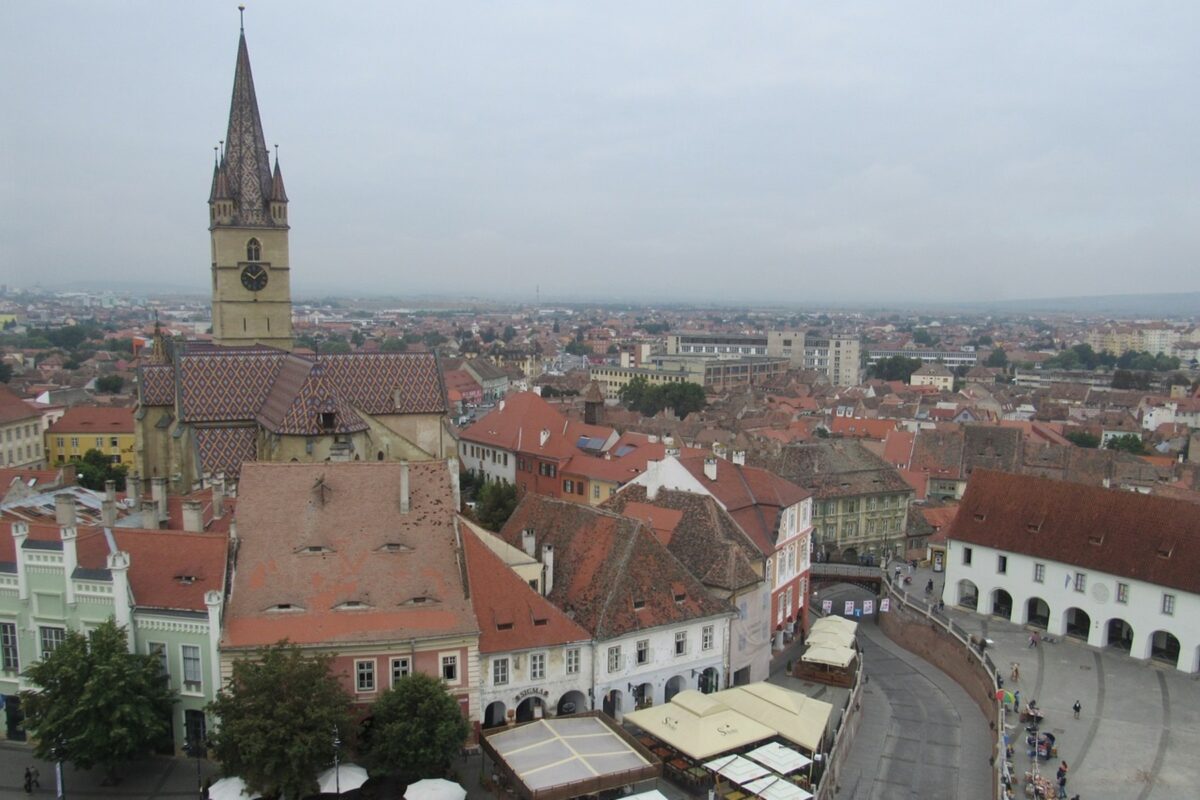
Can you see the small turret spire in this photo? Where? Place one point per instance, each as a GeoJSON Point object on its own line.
{"type": "Point", "coordinates": [242, 18]}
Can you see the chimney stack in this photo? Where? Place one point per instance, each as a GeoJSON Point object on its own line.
{"type": "Point", "coordinates": [20, 532]}
{"type": "Point", "coordinates": [710, 468]}
{"type": "Point", "coordinates": [118, 566]}
{"type": "Point", "coordinates": [193, 516]}
{"type": "Point", "coordinates": [110, 491]}
{"type": "Point", "coordinates": [149, 514]}
{"type": "Point", "coordinates": [652, 481]}
{"type": "Point", "coordinates": [528, 542]}
{"type": "Point", "coordinates": [108, 513]}
{"type": "Point", "coordinates": [158, 491]}
{"type": "Point", "coordinates": [404, 499]}
{"type": "Point", "coordinates": [218, 494]}
{"type": "Point", "coordinates": [64, 509]}
{"type": "Point", "coordinates": [547, 568]}
{"type": "Point", "coordinates": [133, 490]}
{"type": "Point", "coordinates": [70, 560]}
{"type": "Point", "coordinates": [452, 465]}
{"type": "Point", "coordinates": [739, 457]}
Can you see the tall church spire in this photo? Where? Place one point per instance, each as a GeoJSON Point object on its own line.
{"type": "Point", "coordinates": [246, 165]}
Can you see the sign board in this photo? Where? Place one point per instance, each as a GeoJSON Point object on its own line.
{"type": "Point", "coordinates": [868, 606]}
{"type": "Point", "coordinates": [827, 606]}
{"type": "Point", "coordinates": [885, 604]}
{"type": "Point", "coordinates": [849, 607]}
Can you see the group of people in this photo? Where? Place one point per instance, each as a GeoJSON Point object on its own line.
{"type": "Point", "coordinates": [33, 779]}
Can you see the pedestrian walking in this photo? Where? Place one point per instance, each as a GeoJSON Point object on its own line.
{"type": "Point", "coordinates": [1017, 700]}
{"type": "Point", "coordinates": [1034, 638]}
{"type": "Point", "coordinates": [28, 781]}
{"type": "Point", "coordinates": [929, 587]}
{"type": "Point", "coordinates": [1062, 787]}
{"type": "Point", "coordinates": [1015, 676]}
{"type": "Point", "coordinates": [1076, 708]}
{"type": "Point", "coordinates": [37, 778]}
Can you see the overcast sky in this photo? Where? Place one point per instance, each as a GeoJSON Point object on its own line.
{"type": "Point", "coordinates": [670, 151]}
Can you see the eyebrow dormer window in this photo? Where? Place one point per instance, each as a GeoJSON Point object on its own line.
{"type": "Point", "coordinates": [253, 250]}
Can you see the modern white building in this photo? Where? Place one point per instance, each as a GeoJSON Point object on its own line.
{"type": "Point", "coordinates": [1110, 567]}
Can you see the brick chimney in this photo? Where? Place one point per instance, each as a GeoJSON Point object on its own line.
{"type": "Point", "coordinates": [149, 514]}
{"type": "Point", "coordinates": [193, 516]}
{"type": "Point", "coordinates": [110, 490]}
{"type": "Point", "coordinates": [158, 491]}
{"type": "Point", "coordinates": [70, 560]}
{"type": "Point", "coordinates": [118, 566]}
{"type": "Point", "coordinates": [405, 504]}
{"type": "Point", "coordinates": [108, 513]}
{"type": "Point", "coordinates": [64, 509]}
{"type": "Point", "coordinates": [218, 495]}
{"type": "Point", "coordinates": [528, 542]}
{"type": "Point", "coordinates": [547, 568]}
{"type": "Point", "coordinates": [710, 468]}
{"type": "Point", "coordinates": [20, 532]}
{"type": "Point", "coordinates": [452, 465]}
{"type": "Point", "coordinates": [739, 457]}
{"type": "Point", "coordinates": [133, 490]}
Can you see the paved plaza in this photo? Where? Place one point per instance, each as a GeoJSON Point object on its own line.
{"type": "Point", "coordinates": [1138, 733]}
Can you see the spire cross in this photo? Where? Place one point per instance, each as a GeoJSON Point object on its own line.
{"type": "Point", "coordinates": [242, 18]}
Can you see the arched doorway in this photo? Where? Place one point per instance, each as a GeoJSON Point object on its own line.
{"type": "Point", "coordinates": [1037, 613]}
{"type": "Point", "coordinates": [710, 680]}
{"type": "Point", "coordinates": [530, 709]}
{"type": "Point", "coordinates": [1079, 624]}
{"type": "Point", "coordinates": [1164, 647]}
{"type": "Point", "coordinates": [494, 715]}
{"type": "Point", "coordinates": [572, 703]}
{"type": "Point", "coordinates": [612, 703]}
{"type": "Point", "coordinates": [673, 687]}
{"type": "Point", "coordinates": [1119, 634]}
{"type": "Point", "coordinates": [1002, 604]}
{"type": "Point", "coordinates": [968, 594]}
{"type": "Point", "coordinates": [643, 695]}
{"type": "Point", "coordinates": [850, 555]}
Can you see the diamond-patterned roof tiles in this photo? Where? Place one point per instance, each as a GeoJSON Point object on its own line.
{"type": "Point", "coordinates": [368, 381]}
{"type": "Point", "coordinates": [225, 384]}
{"type": "Point", "coordinates": [224, 449]}
{"type": "Point", "coordinates": [156, 384]}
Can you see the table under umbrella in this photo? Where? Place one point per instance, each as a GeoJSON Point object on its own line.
{"type": "Point", "coordinates": [780, 758]}
{"type": "Point", "coordinates": [737, 769]}
{"type": "Point", "coordinates": [435, 789]}
{"type": "Point", "coordinates": [774, 787]}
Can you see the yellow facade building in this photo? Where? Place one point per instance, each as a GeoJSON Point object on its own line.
{"type": "Point", "coordinates": [83, 428]}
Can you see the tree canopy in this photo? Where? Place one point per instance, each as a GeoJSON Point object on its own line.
{"type": "Point", "coordinates": [278, 713]}
{"type": "Point", "coordinates": [109, 384]}
{"type": "Point", "coordinates": [1129, 443]}
{"type": "Point", "coordinates": [496, 502]}
{"type": "Point", "coordinates": [1083, 439]}
{"type": "Point", "coordinates": [895, 368]}
{"type": "Point", "coordinates": [416, 729]}
{"type": "Point", "coordinates": [683, 398]}
{"type": "Point", "coordinates": [104, 705]}
{"type": "Point", "coordinates": [997, 358]}
{"type": "Point", "coordinates": [95, 468]}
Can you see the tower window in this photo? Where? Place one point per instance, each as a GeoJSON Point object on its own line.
{"type": "Point", "coordinates": [253, 250]}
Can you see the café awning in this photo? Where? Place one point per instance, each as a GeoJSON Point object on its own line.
{"type": "Point", "coordinates": [780, 758]}
{"type": "Point", "coordinates": [737, 769]}
{"type": "Point", "coordinates": [773, 787]}
{"type": "Point", "coordinates": [698, 726]}
{"type": "Point", "coordinates": [828, 654]}
{"type": "Point", "coordinates": [796, 717]}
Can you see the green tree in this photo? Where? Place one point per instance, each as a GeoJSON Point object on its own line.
{"type": "Point", "coordinates": [922, 336]}
{"type": "Point", "coordinates": [1083, 439]}
{"type": "Point", "coordinates": [95, 468]}
{"type": "Point", "coordinates": [102, 704]}
{"type": "Point", "coordinates": [416, 730]}
{"type": "Point", "coordinates": [357, 338]}
{"type": "Point", "coordinates": [577, 348]}
{"type": "Point", "coordinates": [895, 368]}
{"type": "Point", "coordinates": [496, 502]}
{"type": "Point", "coordinates": [682, 398]}
{"type": "Point", "coordinates": [109, 384]}
{"type": "Point", "coordinates": [633, 394]}
{"type": "Point", "coordinates": [335, 346]}
{"type": "Point", "coordinates": [509, 334]}
{"type": "Point", "coordinates": [1129, 443]}
{"type": "Point", "coordinates": [393, 345]}
{"type": "Point", "coordinates": [997, 358]}
{"type": "Point", "coordinates": [278, 713]}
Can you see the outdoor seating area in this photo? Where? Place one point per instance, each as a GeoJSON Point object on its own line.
{"type": "Point", "coordinates": [829, 652]}
{"type": "Point", "coordinates": [743, 739]}
{"type": "Point", "coordinates": [570, 756]}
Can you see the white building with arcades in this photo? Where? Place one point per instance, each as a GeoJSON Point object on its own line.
{"type": "Point", "coordinates": [1109, 567]}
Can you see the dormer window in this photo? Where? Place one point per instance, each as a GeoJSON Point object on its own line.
{"type": "Point", "coordinates": [638, 605]}
{"type": "Point", "coordinates": [328, 420]}
{"type": "Point", "coordinates": [394, 547]}
{"type": "Point", "coordinates": [680, 597]}
{"type": "Point", "coordinates": [314, 550]}
{"type": "Point", "coordinates": [351, 605]}
{"type": "Point", "coordinates": [284, 608]}
{"type": "Point", "coordinates": [185, 580]}
{"type": "Point", "coordinates": [253, 250]}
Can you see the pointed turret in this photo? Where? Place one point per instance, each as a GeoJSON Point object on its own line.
{"type": "Point", "coordinates": [246, 166]}
{"type": "Point", "coordinates": [278, 193]}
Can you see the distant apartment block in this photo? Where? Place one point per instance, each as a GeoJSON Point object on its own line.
{"type": "Point", "coordinates": [836, 355]}
{"type": "Point", "coordinates": [948, 358]}
{"type": "Point", "coordinates": [711, 373]}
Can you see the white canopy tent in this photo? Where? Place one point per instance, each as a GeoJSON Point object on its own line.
{"type": "Point", "coordinates": [829, 654]}
{"type": "Point", "coordinates": [737, 769]}
{"type": "Point", "coordinates": [653, 794]}
{"type": "Point", "coordinates": [796, 717]}
{"type": "Point", "coordinates": [773, 787]}
{"type": "Point", "coordinates": [836, 624]}
{"type": "Point", "coordinates": [232, 788]}
{"type": "Point", "coordinates": [780, 758]}
{"type": "Point", "coordinates": [830, 636]}
{"type": "Point", "coordinates": [699, 726]}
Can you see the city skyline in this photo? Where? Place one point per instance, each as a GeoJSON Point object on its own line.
{"type": "Point", "coordinates": [682, 153]}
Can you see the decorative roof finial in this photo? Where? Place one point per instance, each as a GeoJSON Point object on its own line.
{"type": "Point", "coordinates": [277, 155]}
{"type": "Point", "coordinates": [216, 155]}
{"type": "Point", "coordinates": [242, 18]}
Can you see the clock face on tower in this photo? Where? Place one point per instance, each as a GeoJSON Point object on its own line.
{"type": "Point", "coordinates": [254, 277]}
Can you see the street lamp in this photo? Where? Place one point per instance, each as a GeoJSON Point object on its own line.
{"type": "Point", "coordinates": [195, 749]}
{"type": "Point", "coordinates": [337, 773]}
{"type": "Point", "coordinates": [59, 752]}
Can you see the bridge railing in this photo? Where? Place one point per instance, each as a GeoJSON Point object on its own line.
{"type": "Point", "coordinates": [854, 570]}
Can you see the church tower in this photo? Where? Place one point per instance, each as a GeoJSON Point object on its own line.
{"type": "Point", "coordinates": [247, 206]}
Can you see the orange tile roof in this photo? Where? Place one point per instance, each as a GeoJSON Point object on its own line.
{"type": "Point", "coordinates": [329, 541]}
{"type": "Point", "coordinates": [13, 408]}
{"type": "Point", "coordinates": [517, 424]}
{"type": "Point", "coordinates": [501, 598]}
{"type": "Point", "coordinates": [94, 420]}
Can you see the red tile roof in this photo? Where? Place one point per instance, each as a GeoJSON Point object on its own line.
{"type": "Point", "coordinates": [99, 420]}
{"type": "Point", "coordinates": [500, 597]}
{"type": "Point", "coordinates": [326, 556]}
{"type": "Point", "coordinates": [862, 427]}
{"type": "Point", "coordinates": [13, 408]}
{"type": "Point", "coordinates": [1128, 534]}
{"type": "Point", "coordinates": [518, 422]}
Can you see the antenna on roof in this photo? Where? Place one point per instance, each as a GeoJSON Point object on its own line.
{"type": "Point", "coordinates": [242, 18]}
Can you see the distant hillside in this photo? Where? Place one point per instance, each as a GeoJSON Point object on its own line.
{"type": "Point", "coordinates": [1182, 304]}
